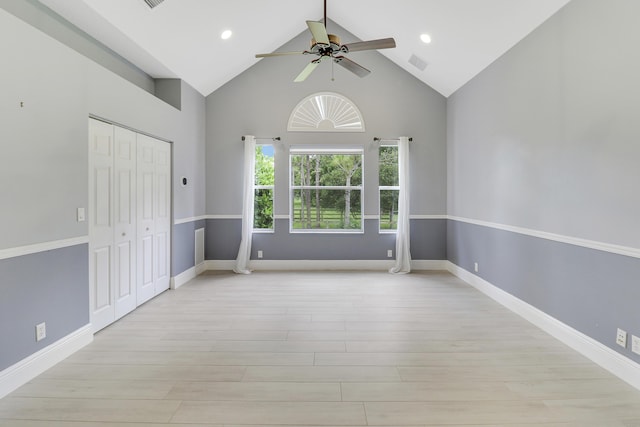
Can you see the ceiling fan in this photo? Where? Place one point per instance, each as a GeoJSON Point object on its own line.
{"type": "Point", "coordinates": [325, 45]}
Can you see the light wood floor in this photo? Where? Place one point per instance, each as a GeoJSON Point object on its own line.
{"type": "Point", "coordinates": [323, 348]}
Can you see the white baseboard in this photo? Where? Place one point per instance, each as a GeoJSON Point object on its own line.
{"type": "Point", "coordinates": [200, 268]}
{"type": "Point", "coordinates": [187, 275]}
{"type": "Point", "coordinates": [614, 362]}
{"type": "Point", "coordinates": [428, 264]}
{"type": "Point", "coordinates": [342, 265]}
{"type": "Point", "coordinates": [29, 368]}
{"type": "Point", "coordinates": [219, 265]}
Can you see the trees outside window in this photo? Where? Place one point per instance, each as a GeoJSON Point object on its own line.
{"type": "Point", "coordinates": [263, 188]}
{"type": "Point", "coordinates": [388, 186]}
{"type": "Point", "coordinates": [326, 190]}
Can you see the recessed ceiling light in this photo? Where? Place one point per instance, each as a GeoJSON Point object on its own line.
{"type": "Point", "coordinates": [426, 38]}
{"type": "Point", "coordinates": [226, 34]}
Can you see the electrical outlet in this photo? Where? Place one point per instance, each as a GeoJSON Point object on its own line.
{"type": "Point", "coordinates": [635, 344]}
{"type": "Point", "coordinates": [390, 253]}
{"type": "Point", "coordinates": [475, 267]}
{"type": "Point", "coordinates": [259, 254]}
{"type": "Point", "coordinates": [41, 331]}
{"type": "Point", "coordinates": [621, 338]}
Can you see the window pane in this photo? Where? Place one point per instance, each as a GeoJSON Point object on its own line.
{"type": "Point", "coordinates": [263, 209]}
{"type": "Point", "coordinates": [341, 169]}
{"type": "Point", "coordinates": [388, 166]}
{"type": "Point", "coordinates": [326, 169]}
{"type": "Point", "coordinates": [304, 169]}
{"type": "Point", "coordinates": [263, 198]}
{"type": "Point", "coordinates": [264, 165]}
{"type": "Point", "coordinates": [389, 209]}
{"type": "Point", "coordinates": [317, 209]}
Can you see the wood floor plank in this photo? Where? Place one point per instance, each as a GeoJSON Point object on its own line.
{"type": "Point", "coordinates": [461, 413]}
{"type": "Point", "coordinates": [446, 359]}
{"type": "Point", "coordinates": [95, 389]}
{"type": "Point", "coordinates": [296, 413]}
{"type": "Point", "coordinates": [322, 373]}
{"type": "Point", "coordinates": [426, 392]}
{"type": "Point", "coordinates": [237, 358]}
{"type": "Point", "coordinates": [67, 370]}
{"type": "Point", "coordinates": [108, 410]}
{"type": "Point", "coordinates": [256, 391]}
{"type": "Point", "coordinates": [504, 373]}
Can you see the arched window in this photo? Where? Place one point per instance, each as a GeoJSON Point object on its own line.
{"type": "Point", "coordinates": [326, 112]}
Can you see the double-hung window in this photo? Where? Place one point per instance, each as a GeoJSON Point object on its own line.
{"type": "Point", "coordinates": [326, 189]}
{"type": "Point", "coordinates": [389, 186]}
{"type": "Point", "coordinates": [263, 188]}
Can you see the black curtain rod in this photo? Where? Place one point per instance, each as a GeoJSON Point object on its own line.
{"type": "Point", "coordinates": [377, 139]}
{"type": "Point", "coordinates": [273, 138]}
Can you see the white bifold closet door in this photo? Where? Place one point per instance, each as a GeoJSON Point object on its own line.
{"type": "Point", "coordinates": [128, 196]}
{"type": "Point", "coordinates": [124, 221]}
{"type": "Point", "coordinates": [154, 183]}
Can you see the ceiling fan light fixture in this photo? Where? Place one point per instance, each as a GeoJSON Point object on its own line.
{"type": "Point", "coordinates": [426, 38]}
{"type": "Point", "coordinates": [324, 45]}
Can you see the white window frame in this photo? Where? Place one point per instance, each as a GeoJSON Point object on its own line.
{"type": "Point", "coordinates": [326, 112]}
{"type": "Point", "coordinates": [385, 187]}
{"type": "Point", "coordinates": [292, 188]}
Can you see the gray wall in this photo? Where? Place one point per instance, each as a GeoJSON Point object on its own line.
{"type": "Point", "coordinates": [44, 175]}
{"type": "Point", "coordinates": [546, 139]}
{"type": "Point", "coordinates": [46, 287]}
{"type": "Point", "coordinates": [428, 242]}
{"type": "Point", "coordinates": [44, 169]}
{"type": "Point", "coordinates": [259, 102]}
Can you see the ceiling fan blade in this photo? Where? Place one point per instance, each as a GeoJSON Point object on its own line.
{"type": "Point", "coordinates": [356, 69]}
{"type": "Point", "coordinates": [319, 32]}
{"type": "Point", "coordinates": [369, 45]}
{"type": "Point", "coordinates": [267, 55]}
{"type": "Point", "coordinates": [307, 71]}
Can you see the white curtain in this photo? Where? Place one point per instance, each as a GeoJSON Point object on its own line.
{"type": "Point", "coordinates": [244, 253]}
{"type": "Point", "coordinates": [403, 243]}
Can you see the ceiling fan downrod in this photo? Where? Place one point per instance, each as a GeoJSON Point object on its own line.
{"type": "Point", "coordinates": [325, 13]}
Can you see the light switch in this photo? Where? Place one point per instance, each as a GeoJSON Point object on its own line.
{"type": "Point", "coordinates": [80, 214]}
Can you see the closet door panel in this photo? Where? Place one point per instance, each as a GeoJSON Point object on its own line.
{"type": "Point", "coordinates": [125, 221]}
{"type": "Point", "coordinates": [101, 227]}
{"type": "Point", "coordinates": [102, 281]}
{"type": "Point", "coordinates": [146, 224]}
{"type": "Point", "coordinates": [162, 221]}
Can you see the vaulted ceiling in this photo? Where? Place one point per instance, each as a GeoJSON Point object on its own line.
{"type": "Point", "coordinates": [181, 38]}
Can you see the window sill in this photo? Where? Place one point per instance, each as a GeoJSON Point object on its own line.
{"type": "Point", "coordinates": [387, 231]}
{"type": "Point", "coordinates": [326, 232]}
